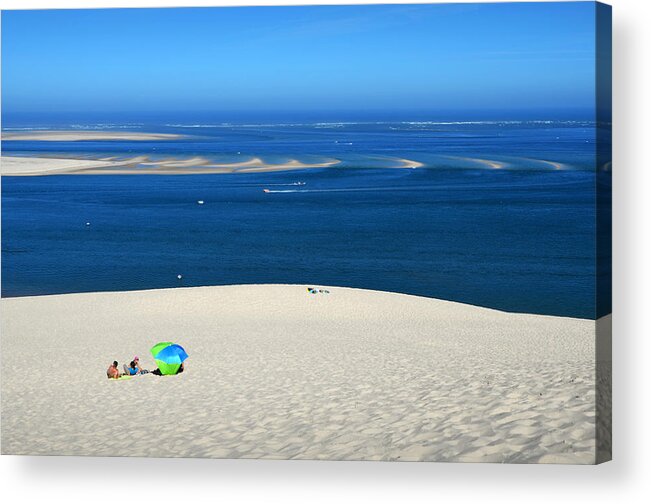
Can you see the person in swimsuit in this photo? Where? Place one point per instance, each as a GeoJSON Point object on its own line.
{"type": "Point", "coordinates": [112, 372]}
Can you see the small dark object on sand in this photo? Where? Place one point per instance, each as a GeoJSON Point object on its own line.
{"type": "Point", "coordinates": [312, 290]}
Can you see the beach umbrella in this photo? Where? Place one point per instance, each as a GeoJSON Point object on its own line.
{"type": "Point", "coordinates": [169, 357]}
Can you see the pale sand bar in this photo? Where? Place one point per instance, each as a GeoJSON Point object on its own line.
{"type": "Point", "coordinates": [73, 136]}
{"type": "Point", "coordinates": [142, 165]}
{"type": "Point", "coordinates": [17, 166]}
{"type": "Point", "coordinates": [276, 372]}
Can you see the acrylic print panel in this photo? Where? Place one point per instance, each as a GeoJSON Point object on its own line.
{"type": "Point", "coordinates": [375, 232]}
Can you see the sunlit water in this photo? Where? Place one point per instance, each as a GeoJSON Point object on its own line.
{"type": "Point", "coordinates": [519, 238]}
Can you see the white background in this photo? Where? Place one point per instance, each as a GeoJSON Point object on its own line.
{"type": "Point", "coordinates": [626, 479]}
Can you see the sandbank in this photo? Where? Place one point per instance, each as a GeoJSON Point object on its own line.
{"type": "Point", "coordinates": [16, 166]}
{"type": "Point", "coordinates": [73, 136]}
{"type": "Point", "coordinates": [489, 163]}
{"type": "Point", "coordinates": [410, 163]}
{"type": "Point", "coordinates": [144, 165]}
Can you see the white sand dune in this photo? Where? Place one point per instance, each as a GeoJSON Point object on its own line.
{"type": "Point", "coordinates": [73, 136]}
{"type": "Point", "coordinates": [276, 372]}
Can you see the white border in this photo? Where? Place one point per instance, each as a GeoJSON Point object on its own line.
{"type": "Point", "coordinates": [626, 479]}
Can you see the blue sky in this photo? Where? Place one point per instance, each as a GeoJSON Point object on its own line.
{"type": "Point", "coordinates": [440, 58]}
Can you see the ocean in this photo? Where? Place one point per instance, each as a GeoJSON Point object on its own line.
{"type": "Point", "coordinates": [502, 214]}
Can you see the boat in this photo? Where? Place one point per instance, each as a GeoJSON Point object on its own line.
{"type": "Point", "coordinates": [266, 190]}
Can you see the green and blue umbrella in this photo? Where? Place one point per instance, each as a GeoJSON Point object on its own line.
{"type": "Point", "coordinates": [169, 357]}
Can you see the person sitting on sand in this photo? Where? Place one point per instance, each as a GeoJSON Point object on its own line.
{"type": "Point", "coordinates": [136, 360]}
{"type": "Point", "coordinates": [112, 372]}
{"type": "Point", "coordinates": [132, 369]}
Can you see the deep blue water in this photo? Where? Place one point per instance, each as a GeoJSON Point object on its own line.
{"type": "Point", "coordinates": [521, 238]}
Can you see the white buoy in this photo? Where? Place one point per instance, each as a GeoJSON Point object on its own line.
{"type": "Point", "coordinates": [200, 202]}
{"type": "Point", "coordinates": [88, 223]}
{"type": "Point", "coordinates": [179, 276]}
